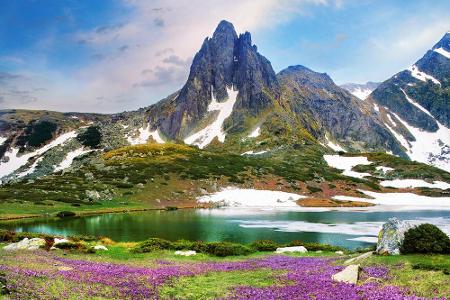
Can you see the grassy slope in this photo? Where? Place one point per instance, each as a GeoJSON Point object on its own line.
{"type": "Point", "coordinates": [157, 176]}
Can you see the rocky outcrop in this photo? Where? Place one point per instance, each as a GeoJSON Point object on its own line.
{"type": "Point", "coordinates": [299, 249]}
{"type": "Point", "coordinates": [26, 244]}
{"type": "Point", "coordinates": [391, 237]}
{"type": "Point", "coordinates": [224, 60]}
{"type": "Point", "coordinates": [314, 97]}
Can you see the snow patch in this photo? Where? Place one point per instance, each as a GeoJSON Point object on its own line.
{"type": "Point", "coordinates": [366, 239]}
{"type": "Point", "coordinates": [15, 161]}
{"type": "Point", "coordinates": [429, 147]}
{"type": "Point", "coordinates": [361, 93]}
{"type": "Point", "coordinates": [416, 73]}
{"type": "Point", "coordinates": [254, 153]}
{"type": "Point", "coordinates": [442, 52]}
{"type": "Point", "coordinates": [407, 201]}
{"type": "Point", "coordinates": [416, 104]}
{"type": "Point", "coordinates": [237, 197]}
{"type": "Point", "coordinates": [391, 120]}
{"type": "Point", "coordinates": [347, 163]}
{"type": "Point", "coordinates": [255, 133]}
{"type": "Point", "coordinates": [413, 183]}
{"type": "Point", "coordinates": [2, 140]}
{"type": "Point", "coordinates": [205, 136]}
{"type": "Point", "coordinates": [31, 169]}
{"type": "Point", "coordinates": [404, 142]}
{"type": "Point", "coordinates": [384, 169]}
{"type": "Point", "coordinates": [144, 135]}
{"type": "Point", "coordinates": [68, 159]}
{"type": "Point", "coordinates": [334, 146]}
{"type": "Point", "coordinates": [376, 107]}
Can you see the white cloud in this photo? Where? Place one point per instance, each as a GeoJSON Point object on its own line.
{"type": "Point", "coordinates": [138, 62]}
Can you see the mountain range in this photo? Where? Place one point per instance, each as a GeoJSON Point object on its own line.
{"type": "Point", "coordinates": [234, 101]}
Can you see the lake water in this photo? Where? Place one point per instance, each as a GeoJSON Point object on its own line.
{"type": "Point", "coordinates": [237, 225]}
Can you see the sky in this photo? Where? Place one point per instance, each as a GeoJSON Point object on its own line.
{"type": "Point", "coordinates": [116, 55]}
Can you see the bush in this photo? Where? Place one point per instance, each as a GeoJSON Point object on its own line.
{"type": "Point", "coordinates": [425, 238]}
{"type": "Point", "coordinates": [264, 245]}
{"type": "Point", "coordinates": [152, 245]}
{"type": "Point", "coordinates": [184, 245]}
{"type": "Point", "coordinates": [223, 249]}
{"type": "Point", "coordinates": [65, 214]}
{"type": "Point", "coordinates": [70, 246]}
{"type": "Point", "coordinates": [92, 137]}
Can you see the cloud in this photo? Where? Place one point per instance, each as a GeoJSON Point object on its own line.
{"type": "Point", "coordinates": [145, 55]}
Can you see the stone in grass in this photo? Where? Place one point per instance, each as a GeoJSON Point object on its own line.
{"type": "Point", "coordinates": [391, 236]}
{"type": "Point", "coordinates": [26, 244]}
{"type": "Point", "coordinates": [300, 249]}
{"type": "Point", "coordinates": [349, 275]}
{"type": "Point", "coordinates": [100, 247]}
{"type": "Point", "coordinates": [339, 252]}
{"type": "Point", "coordinates": [359, 257]}
{"type": "Point", "coordinates": [186, 253]}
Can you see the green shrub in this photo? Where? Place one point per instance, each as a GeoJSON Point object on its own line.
{"type": "Point", "coordinates": [313, 189]}
{"type": "Point", "coordinates": [264, 245]}
{"type": "Point", "coordinates": [223, 249]}
{"type": "Point", "coordinates": [431, 267]}
{"type": "Point", "coordinates": [65, 214]}
{"type": "Point", "coordinates": [124, 185]}
{"type": "Point", "coordinates": [183, 245]}
{"type": "Point", "coordinates": [70, 246]}
{"type": "Point", "coordinates": [91, 137]}
{"type": "Point", "coordinates": [425, 238]}
{"type": "Point", "coordinates": [152, 244]}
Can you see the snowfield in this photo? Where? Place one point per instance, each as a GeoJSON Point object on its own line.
{"type": "Point", "coordinates": [442, 52]}
{"type": "Point", "coordinates": [347, 163]}
{"type": "Point", "coordinates": [205, 136]}
{"type": "Point", "coordinates": [237, 197]}
{"type": "Point", "coordinates": [254, 153]}
{"type": "Point", "coordinates": [68, 160]}
{"type": "Point", "coordinates": [255, 133]}
{"type": "Point", "coordinates": [416, 73]}
{"type": "Point", "coordinates": [413, 183]}
{"type": "Point", "coordinates": [16, 161]}
{"type": "Point", "coordinates": [402, 201]}
{"type": "Point", "coordinates": [144, 135]}
{"type": "Point", "coordinates": [334, 146]}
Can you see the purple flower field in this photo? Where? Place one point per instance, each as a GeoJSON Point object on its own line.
{"type": "Point", "coordinates": [45, 275]}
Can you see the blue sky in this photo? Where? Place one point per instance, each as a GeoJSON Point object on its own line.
{"type": "Point", "coordinates": [110, 56]}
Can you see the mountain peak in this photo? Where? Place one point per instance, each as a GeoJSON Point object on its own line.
{"type": "Point", "coordinates": [224, 28]}
{"type": "Point", "coordinates": [444, 42]}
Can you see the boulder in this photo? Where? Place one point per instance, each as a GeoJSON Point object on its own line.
{"type": "Point", "coordinates": [300, 249]}
{"type": "Point", "coordinates": [391, 236]}
{"type": "Point", "coordinates": [339, 252]}
{"type": "Point", "coordinates": [26, 244]}
{"type": "Point", "coordinates": [186, 253]}
{"type": "Point", "coordinates": [349, 275]}
{"type": "Point", "coordinates": [100, 247]}
{"type": "Point", "coordinates": [59, 241]}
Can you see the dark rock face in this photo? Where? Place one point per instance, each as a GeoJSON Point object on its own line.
{"type": "Point", "coordinates": [225, 60]}
{"type": "Point", "coordinates": [336, 110]}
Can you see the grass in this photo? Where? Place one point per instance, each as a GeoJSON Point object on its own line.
{"type": "Point", "coordinates": [423, 275]}
{"type": "Point", "coordinates": [217, 284]}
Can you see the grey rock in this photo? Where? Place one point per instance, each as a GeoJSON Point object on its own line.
{"type": "Point", "coordinates": [391, 236]}
{"type": "Point", "coordinates": [349, 275]}
{"type": "Point", "coordinates": [26, 244]}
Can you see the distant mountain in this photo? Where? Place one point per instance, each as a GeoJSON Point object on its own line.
{"type": "Point", "coordinates": [361, 90]}
{"type": "Point", "coordinates": [234, 102]}
{"type": "Point", "coordinates": [415, 105]}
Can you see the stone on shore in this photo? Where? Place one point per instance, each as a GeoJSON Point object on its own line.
{"type": "Point", "coordinates": [300, 249]}
{"type": "Point", "coordinates": [26, 244]}
{"type": "Point", "coordinates": [186, 253]}
{"type": "Point", "coordinates": [100, 247]}
{"type": "Point", "coordinates": [391, 236]}
{"type": "Point", "coordinates": [349, 275]}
